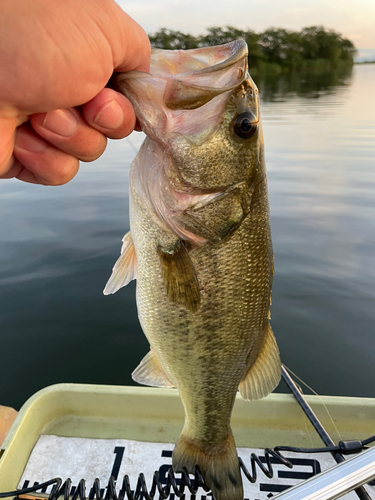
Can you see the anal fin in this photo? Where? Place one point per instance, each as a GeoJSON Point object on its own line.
{"type": "Point", "coordinates": [180, 278]}
{"type": "Point", "coordinates": [149, 372]}
{"type": "Point", "coordinates": [125, 268]}
{"type": "Point", "coordinates": [264, 375]}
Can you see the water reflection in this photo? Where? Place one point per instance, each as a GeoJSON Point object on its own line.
{"type": "Point", "coordinates": [321, 177]}
{"type": "Point", "coordinates": [58, 246]}
{"type": "Point", "coordinates": [277, 87]}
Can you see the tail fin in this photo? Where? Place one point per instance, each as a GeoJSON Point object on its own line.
{"type": "Point", "coordinates": [218, 464]}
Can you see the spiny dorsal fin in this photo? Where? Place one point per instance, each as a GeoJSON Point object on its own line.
{"type": "Point", "coordinates": [180, 278]}
{"type": "Point", "coordinates": [149, 372]}
{"type": "Point", "coordinates": [125, 268]}
{"type": "Point", "coordinates": [264, 375]}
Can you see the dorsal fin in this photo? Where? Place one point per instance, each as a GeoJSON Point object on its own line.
{"type": "Point", "coordinates": [125, 268]}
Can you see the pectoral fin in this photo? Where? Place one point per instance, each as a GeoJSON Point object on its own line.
{"type": "Point", "coordinates": [264, 375]}
{"type": "Point", "coordinates": [180, 278]}
{"type": "Point", "coordinates": [149, 372]}
{"type": "Point", "coordinates": [125, 268]}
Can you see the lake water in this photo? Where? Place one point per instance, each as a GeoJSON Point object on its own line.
{"type": "Point", "coordinates": [58, 246]}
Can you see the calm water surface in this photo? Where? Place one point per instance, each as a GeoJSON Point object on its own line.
{"type": "Point", "coordinates": [58, 246]}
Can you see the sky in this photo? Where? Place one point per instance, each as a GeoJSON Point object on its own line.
{"type": "Point", "coordinates": [354, 19]}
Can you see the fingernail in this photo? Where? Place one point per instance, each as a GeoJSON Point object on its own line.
{"type": "Point", "coordinates": [24, 140]}
{"type": "Point", "coordinates": [61, 122]}
{"type": "Point", "coordinates": [110, 117]}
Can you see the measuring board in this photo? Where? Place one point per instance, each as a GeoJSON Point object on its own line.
{"type": "Point", "coordinates": [81, 458]}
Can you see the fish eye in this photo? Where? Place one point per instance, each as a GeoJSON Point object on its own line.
{"type": "Point", "coordinates": [245, 126]}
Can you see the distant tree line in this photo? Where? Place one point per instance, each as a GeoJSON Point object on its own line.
{"type": "Point", "coordinates": [276, 49]}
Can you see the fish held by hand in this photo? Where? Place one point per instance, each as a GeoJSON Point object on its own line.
{"type": "Point", "coordinates": [200, 248]}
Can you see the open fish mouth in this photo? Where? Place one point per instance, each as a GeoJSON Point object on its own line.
{"type": "Point", "coordinates": [194, 77]}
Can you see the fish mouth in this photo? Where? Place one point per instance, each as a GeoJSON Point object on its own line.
{"type": "Point", "coordinates": [191, 78]}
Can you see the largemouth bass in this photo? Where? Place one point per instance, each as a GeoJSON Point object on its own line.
{"type": "Point", "coordinates": [200, 248]}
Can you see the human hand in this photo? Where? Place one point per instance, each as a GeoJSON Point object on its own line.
{"type": "Point", "coordinates": [55, 59]}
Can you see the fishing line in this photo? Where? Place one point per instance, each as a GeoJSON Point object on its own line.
{"type": "Point", "coordinates": [337, 452]}
{"type": "Point", "coordinates": [316, 394]}
{"type": "Point", "coordinates": [132, 144]}
{"type": "Point", "coordinates": [306, 420]}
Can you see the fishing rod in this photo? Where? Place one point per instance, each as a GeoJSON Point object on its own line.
{"type": "Point", "coordinates": [349, 447]}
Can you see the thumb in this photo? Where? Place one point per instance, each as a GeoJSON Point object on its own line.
{"type": "Point", "coordinates": [130, 44]}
